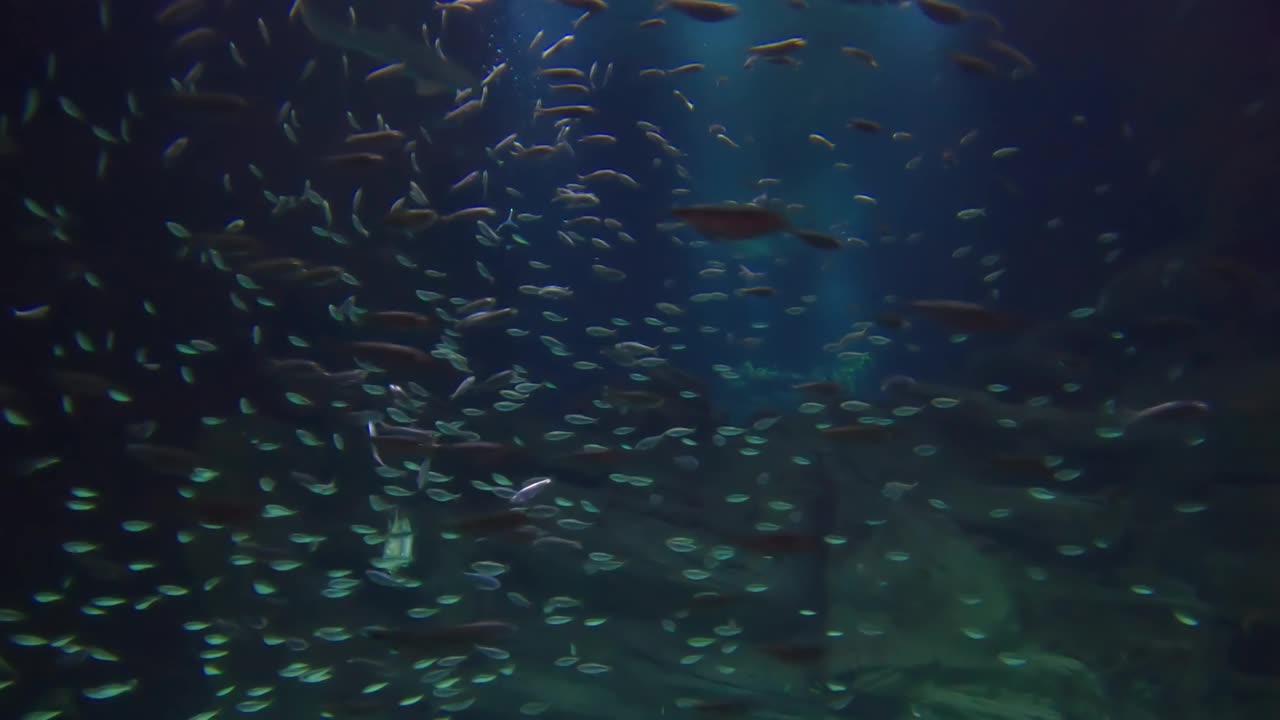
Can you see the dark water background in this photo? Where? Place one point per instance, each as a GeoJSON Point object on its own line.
{"type": "Point", "coordinates": [1180, 83]}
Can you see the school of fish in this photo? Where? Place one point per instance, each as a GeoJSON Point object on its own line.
{"type": "Point", "coordinates": [389, 359]}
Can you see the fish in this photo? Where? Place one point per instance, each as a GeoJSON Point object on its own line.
{"type": "Point", "coordinates": [778, 48]}
{"type": "Point", "coordinates": [731, 221]}
{"type": "Point", "coordinates": [867, 126]}
{"type": "Point", "coordinates": [590, 6]}
{"type": "Point", "coordinates": [688, 359]}
{"type": "Point", "coordinates": [860, 54]}
{"type": "Point", "coordinates": [826, 388]}
{"type": "Point", "coordinates": [965, 316]}
{"type": "Point", "coordinates": [816, 239]}
{"type": "Point", "coordinates": [943, 12]}
{"type": "Point", "coordinates": [392, 355]}
{"type": "Point", "coordinates": [180, 12]}
{"type": "Point", "coordinates": [632, 400]}
{"type": "Point", "coordinates": [703, 10]}
{"type": "Point", "coordinates": [446, 639]}
{"type": "Point", "coordinates": [858, 434]}
{"type": "Point", "coordinates": [431, 72]}
{"type": "Point", "coordinates": [1172, 410]}
{"type": "Point", "coordinates": [973, 64]}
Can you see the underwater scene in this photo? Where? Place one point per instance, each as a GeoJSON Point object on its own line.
{"type": "Point", "coordinates": [639, 359]}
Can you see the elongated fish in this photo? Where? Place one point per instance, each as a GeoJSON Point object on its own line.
{"type": "Point", "coordinates": [432, 73]}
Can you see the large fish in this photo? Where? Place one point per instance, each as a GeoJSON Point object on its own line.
{"type": "Point", "coordinates": [731, 221]}
{"type": "Point", "coordinates": [432, 73]}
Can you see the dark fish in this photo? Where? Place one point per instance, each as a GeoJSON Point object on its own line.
{"type": "Point", "coordinates": [562, 73]}
{"type": "Point", "coordinates": [903, 384]}
{"type": "Point", "coordinates": [201, 38]}
{"type": "Point", "coordinates": [356, 160]}
{"type": "Point", "coordinates": [633, 399]}
{"type": "Point", "coordinates": [487, 523]}
{"type": "Point", "coordinates": [730, 221]}
{"type": "Point", "coordinates": [270, 266]}
{"type": "Point", "coordinates": [470, 214]}
{"type": "Point", "coordinates": [457, 638]}
{"type": "Point", "coordinates": [1173, 410]}
{"type": "Point", "coordinates": [797, 653]}
{"type": "Point", "coordinates": [973, 64]}
{"type": "Point", "coordinates": [562, 111]}
{"type": "Point", "coordinates": [376, 140]}
{"type": "Point", "coordinates": [399, 319]}
{"type": "Point", "coordinates": [867, 126]}
{"type": "Point", "coordinates": [858, 434]}
{"type": "Point", "coordinates": [180, 12]}
{"type": "Point", "coordinates": [266, 552]}
{"type": "Point", "coordinates": [415, 447]}
{"type": "Point", "coordinates": [412, 218]}
{"type": "Point", "coordinates": [595, 456]}
{"type": "Point", "coordinates": [824, 388]}
{"type": "Point", "coordinates": [819, 240]}
{"type": "Point", "coordinates": [295, 367]}
{"type": "Point", "coordinates": [708, 600]}
{"type": "Point", "coordinates": [704, 10]}
{"type": "Point", "coordinates": [1012, 53]}
{"type": "Point", "coordinates": [393, 356]}
{"type": "Point", "coordinates": [943, 13]}
{"type": "Point", "coordinates": [964, 316]}
{"type": "Point", "coordinates": [780, 542]}
{"type": "Point", "coordinates": [477, 452]}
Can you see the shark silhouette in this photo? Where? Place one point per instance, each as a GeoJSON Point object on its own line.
{"type": "Point", "coordinates": [432, 73]}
